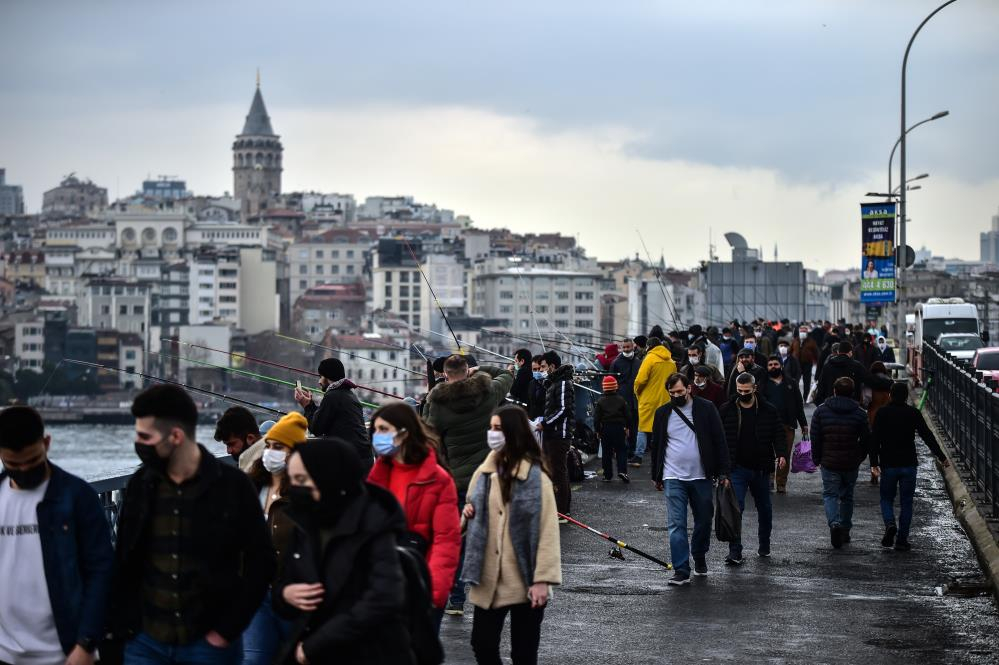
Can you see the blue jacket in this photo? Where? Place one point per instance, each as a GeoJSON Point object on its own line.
{"type": "Point", "coordinates": [77, 557]}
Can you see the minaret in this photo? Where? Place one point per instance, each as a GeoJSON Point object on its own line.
{"type": "Point", "coordinates": [256, 159]}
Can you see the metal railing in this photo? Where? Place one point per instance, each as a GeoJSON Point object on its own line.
{"type": "Point", "coordinates": [966, 403]}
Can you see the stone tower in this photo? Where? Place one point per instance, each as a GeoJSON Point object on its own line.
{"type": "Point", "coordinates": [256, 159]}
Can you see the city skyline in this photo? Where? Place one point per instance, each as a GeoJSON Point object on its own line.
{"type": "Point", "coordinates": [594, 141]}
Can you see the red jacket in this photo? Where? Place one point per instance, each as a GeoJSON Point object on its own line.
{"type": "Point", "coordinates": [431, 510]}
{"type": "Point", "coordinates": [712, 392]}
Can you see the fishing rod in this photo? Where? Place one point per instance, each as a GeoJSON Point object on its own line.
{"type": "Point", "coordinates": [348, 353]}
{"type": "Point", "coordinates": [434, 295]}
{"type": "Point", "coordinates": [666, 299]}
{"type": "Point", "coordinates": [271, 363]}
{"type": "Point", "coordinates": [558, 346]}
{"type": "Point", "coordinates": [616, 553]}
{"type": "Point", "coordinates": [520, 280]}
{"type": "Point", "coordinates": [471, 346]}
{"type": "Point", "coordinates": [585, 357]}
{"type": "Point", "coordinates": [251, 375]}
{"type": "Point", "coordinates": [596, 392]}
{"type": "Point", "coordinates": [150, 377]}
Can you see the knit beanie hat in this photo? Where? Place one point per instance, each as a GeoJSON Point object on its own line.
{"type": "Point", "coordinates": [610, 384]}
{"type": "Point", "coordinates": [290, 430]}
{"type": "Point", "coordinates": [332, 369]}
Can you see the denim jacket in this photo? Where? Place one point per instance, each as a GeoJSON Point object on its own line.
{"type": "Point", "coordinates": [77, 557]}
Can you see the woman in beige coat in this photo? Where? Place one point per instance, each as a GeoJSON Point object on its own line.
{"type": "Point", "coordinates": [512, 557]}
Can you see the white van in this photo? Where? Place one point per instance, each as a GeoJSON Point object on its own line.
{"type": "Point", "coordinates": [944, 315]}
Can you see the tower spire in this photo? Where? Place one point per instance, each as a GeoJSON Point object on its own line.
{"type": "Point", "coordinates": [258, 78]}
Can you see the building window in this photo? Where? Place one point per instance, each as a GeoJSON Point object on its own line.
{"type": "Point", "coordinates": [350, 253]}
{"type": "Point", "coordinates": [403, 291]}
{"type": "Point", "coordinates": [561, 323]}
{"type": "Point", "coordinates": [584, 295]}
{"type": "Point", "coordinates": [584, 309]}
{"type": "Point", "coordinates": [506, 295]}
{"type": "Point", "coordinates": [130, 355]}
{"type": "Point", "coordinates": [334, 269]}
{"type": "Point", "coordinates": [229, 299]}
{"type": "Point", "coordinates": [350, 269]}
{"type": "Point", "coordinates": [319, 270]}
{"type": "Point", "coordinates": [138, 309]}
{"type": "Point", "coordinates": [319, 253]}
{"type": "Point", "coordinates": [388, 276]}
{"type": "Point", "coordinates": [303, 283]}
{"type": "Point", "coordinates": [561, 309]}
{"type": "Point", "coordinates": [404, 277]}
{"type": "Point", "coordinates": [303, 269]}
{"type": "Point", "coordinates": [561, 295]}
{"type": "Point", "coordinates": [123, 309]}
{"type": "Point", "coordinates": [388, 291]}
{"type": "Point", "coordinates": [334, 253]}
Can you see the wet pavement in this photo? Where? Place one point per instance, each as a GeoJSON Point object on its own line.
{"type": "Point", "coordinates": [807, 603]}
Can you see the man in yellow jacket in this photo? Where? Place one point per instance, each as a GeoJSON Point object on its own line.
{"type": "Point", "coordinates": [650, 389]}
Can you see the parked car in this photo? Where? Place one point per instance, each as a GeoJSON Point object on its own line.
{"type": "Point", "coordinates": [987, 361]}
{"type": "Point", "coordinates": [960, 345]}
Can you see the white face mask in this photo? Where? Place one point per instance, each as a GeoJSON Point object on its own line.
{"type": "Point", "coordinates": [495, 439]}
{"type": "Point", "coordinates": [700, 384]}
{"type": "Point", "coordinates": [694, 359]}
{"type": "Point", "coordinates": [274, 461]}
{"type": "Point", "coordinates": [882, 345]}
{"type": "Point", "coordinates": [783, 350]}
{"type": "Point", "coordinates": [802, 335]}
{"type": "Point", "coordinates": [627, 354]}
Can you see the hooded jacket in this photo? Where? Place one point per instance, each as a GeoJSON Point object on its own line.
{"type": "Point", "coordinates": [340, 414]}
{"type": "Point", "coordinates": [626, 369]}
{"type": "Point", "coordinates": [560, 404]}
{"type": "Point", "coordinates": [361, 618]}
{"type": "Point", "coordinates": [650, 385]}
{"type": "Point", "coordinates": [607, 358]}
{"type": "Point", "coordinates": [460, 411]}
{"type": "Point", "coordinates": [840, 434]}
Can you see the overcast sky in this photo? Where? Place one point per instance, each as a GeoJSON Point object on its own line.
{"type": "Point", "coordinates": [767, 117]}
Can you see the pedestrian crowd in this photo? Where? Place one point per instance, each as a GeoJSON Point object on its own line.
{"type": "Point", "coordinates": [351, 545]}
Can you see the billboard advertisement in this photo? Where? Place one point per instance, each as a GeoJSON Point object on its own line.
{"type": "Point", "coordinates": [877, 262]}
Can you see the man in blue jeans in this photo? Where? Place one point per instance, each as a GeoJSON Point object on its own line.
{"type": "Point", "coordinates": [895, 429]}
{"type": "Point", "coordinates": [841, 438]}
{"type": "Point", "coordinates": [756, 439]}
{"type": "Point", "coordinates": [688, 452]}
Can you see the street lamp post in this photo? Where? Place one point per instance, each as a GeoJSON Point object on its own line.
{"type": "Point", "coordinates": [900, 268]}
{"type": "Point", "coordinates": [935, 116]}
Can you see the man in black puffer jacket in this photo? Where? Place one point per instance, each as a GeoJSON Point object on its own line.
{"type": "Point", "coordinates": [841, 438]}
{"type": "Point", "coordinates": [756, 440]}
{"type": "Point", "coordinates": [339, 413]}
{"type": "Point", "coordinates": [558, 425]}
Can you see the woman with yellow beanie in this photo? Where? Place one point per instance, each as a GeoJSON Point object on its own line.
{"type": "Point", "coordinates": [268, 631]}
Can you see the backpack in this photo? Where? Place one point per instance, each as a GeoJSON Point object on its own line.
{"type": "Point", "coordinates": [574, 464]}
{"type": "Point", "coordinates": [425, 644]}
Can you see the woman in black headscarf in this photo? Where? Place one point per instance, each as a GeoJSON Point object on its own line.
{"type": "Point", "coordinates": [342, 579]}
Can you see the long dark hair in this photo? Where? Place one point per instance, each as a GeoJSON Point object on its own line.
{"type": "Point", "coordinates": [418, 437]}
{"type": "Point", "coordinates": [520, 446]}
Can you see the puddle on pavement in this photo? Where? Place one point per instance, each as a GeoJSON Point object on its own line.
{"type": "Point", "coordinates": [965, 587]}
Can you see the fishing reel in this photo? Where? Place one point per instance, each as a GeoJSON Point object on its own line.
{"type": "Point", "coordinates": [616, 553]}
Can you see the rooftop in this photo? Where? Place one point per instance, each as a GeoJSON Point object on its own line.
{"type": "Point", "coordinates": [258, 123]}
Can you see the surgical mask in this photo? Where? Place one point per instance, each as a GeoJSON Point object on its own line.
{"type": "Point", "coordinates": [746, 399]}
{"type": "Point", "coordinates": [150, 458]}
{"type": "Point", "coordinates": [680, 401]}
{"type": "Point", "coordinates": [758, 333]}
{"type": "Point", "coordinates": [28, 479]}
{"type": "Point", "coordinates": [750, 345]}
{"type": "Point", "coordinates": [495, 439]}
{"type": "Point", "coordinates": [693, 359]}
{"type": "Point", "coordinates": [882, 345]}
{"type": "Point", "coordinates": [384, 443]}
{"type": "Point", "coordinates": [775, 372]}
{"type": "Point", "coordinates": [802, 335]}
{"type": "Point", "coordinates": [628, 354]}
{"type": "Point", "coordinates": [275, 461]}
{"type": "Point", "coordinates": [727, 337]}
{"type": "Point", "coordinates": [538, 376]}
{"type": "Point", "coordinates": [700, 384]}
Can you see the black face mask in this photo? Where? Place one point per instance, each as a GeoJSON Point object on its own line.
{"type": "Point", "coordinates": [746, 399]}
{"type": "Point", "coordinates": [29, 479]}
{"type": "Point", "coordinates": [301, 499]}
{"type": "Point", "coordinates": [149, 458]}
{"type": "Point", "coordinates": [775, 372]}
{"type": "Point", "coordinates": [680, 401]}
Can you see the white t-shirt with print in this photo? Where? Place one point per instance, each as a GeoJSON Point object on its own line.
{"type": "Point", "coordinates": [27, 626]}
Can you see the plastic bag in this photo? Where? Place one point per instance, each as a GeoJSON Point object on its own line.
{"type": "Point", "coordinates": [728, 517]}
{"type": "Point", "coordinates": [801, 458]}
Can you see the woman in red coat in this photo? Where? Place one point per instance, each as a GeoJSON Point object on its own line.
{"type": "Point", "coordinates": [408, 466]}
